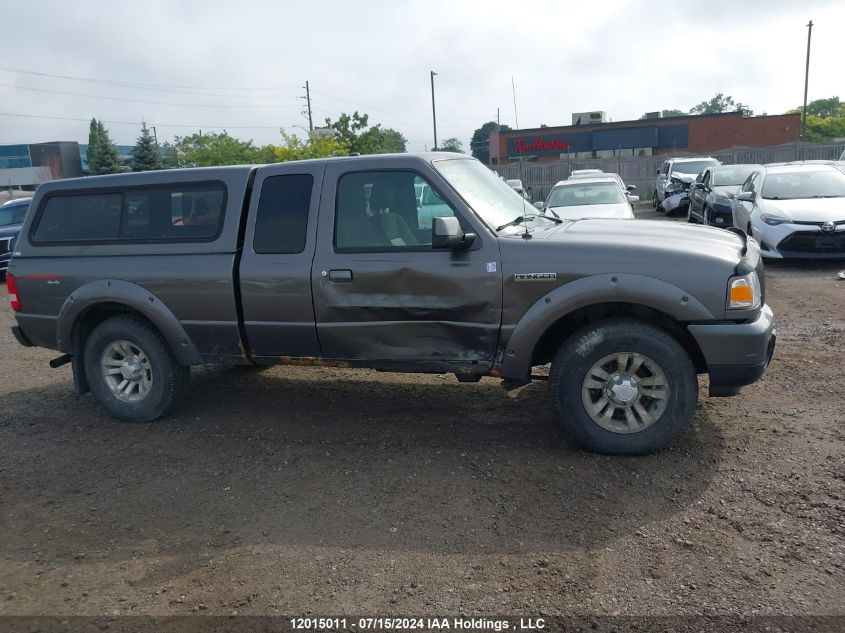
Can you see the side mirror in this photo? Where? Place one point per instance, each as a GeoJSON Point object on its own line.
{"type": "Point", "coordinates": [658, 172]}
{"type": "Point", "coordinates": [631, 187]}
{"type": "Point", "coordinates": [446, 232]}
{"type": "Point", "coordinates": [539, 205]}
{"type": "Point", "coordinates": [745, 196]}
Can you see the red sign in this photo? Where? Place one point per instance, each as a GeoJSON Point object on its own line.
{"type": "Point", "coordinates": [542, 145]}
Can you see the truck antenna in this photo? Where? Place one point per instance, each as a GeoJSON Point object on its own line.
{"type": "Point", "coordinates": [526, 235]}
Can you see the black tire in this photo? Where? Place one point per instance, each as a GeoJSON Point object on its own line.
{"type": "Point", "coordinates": [655, 201]}
{"type": "Point", "coordinates": [168, 378]}
{"type": "Point", "coordinates": [707, 220]}
{"type": "Point", "coordinates": [585, 348]}
{"type": "Point", "coordinates": [690, 217]}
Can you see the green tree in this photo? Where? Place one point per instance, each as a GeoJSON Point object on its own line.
{"type": "Point", "coordinates": [145, 156]}
{"type": "Point", "coordinates": [451, 145]}
{"type": "Point", "coordinates": [317, 146]}
{"type": "Point", "coordinates": [667, 114]}
{"type": "Point", "coordinates": [102, 156]}
{"type": "Point", "coordinates": [93, 154]}
{"type": "Point", "coordinates": [825, 119]}
{"type": "Point", "coordinates": [392, 142]}
{"type": "Point", "coordinates": [721, 103]}
{"type": "Point", "coordinates": [356, 133]}
{"type": "Point", "coordinates": [211, 149]}
{"type": "Point", "coordinates": [479, 144]}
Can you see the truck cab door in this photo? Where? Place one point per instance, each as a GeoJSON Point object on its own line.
{"type": "Point", "coordinates": [275, 265]}
{"type": "Point", "coordinates": [381, 292]}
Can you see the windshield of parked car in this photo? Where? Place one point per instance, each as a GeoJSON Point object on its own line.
{"type": "Point", "coordinates": [13, 214]}
{"type": "Point", "coordinates": [488, 195]}
{"type": "Point", "coordinates": [692, 168]}
{"type": "Point", "coordinates": [729, 176]}
{"type": "Point", "coordinates": [587, 193]}
{"type": "Point", "coordinates": [804, 184]}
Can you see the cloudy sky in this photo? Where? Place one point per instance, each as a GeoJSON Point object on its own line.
{"type": "Point", "coordinates": [190, 65]}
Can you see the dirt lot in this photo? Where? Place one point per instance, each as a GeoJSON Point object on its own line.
{"type": "Point", "coordinates": [294, 490]}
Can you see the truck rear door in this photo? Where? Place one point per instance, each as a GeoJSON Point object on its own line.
{"type": "Point", "coordinates": [275, 267]}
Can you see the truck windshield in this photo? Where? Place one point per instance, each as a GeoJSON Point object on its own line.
{"type": "Point", "coordinates": [490, 197]}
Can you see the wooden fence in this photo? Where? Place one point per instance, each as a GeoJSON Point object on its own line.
{"type": "Point", "coordinates": [642, 170]}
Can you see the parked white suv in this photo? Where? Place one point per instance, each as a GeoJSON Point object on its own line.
{"type": "Point", "coordinates": [676, 175]}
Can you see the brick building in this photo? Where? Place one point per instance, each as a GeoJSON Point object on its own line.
{"type": "Point", "coordinates": [697, 134]}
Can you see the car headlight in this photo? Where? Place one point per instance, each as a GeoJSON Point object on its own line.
{"type": "Point", "coordinates": [744, 292]}
{"type": "Point", "coordinates": [773, 220]}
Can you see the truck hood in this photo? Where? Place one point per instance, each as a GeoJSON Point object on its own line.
{"type": "Point", "coordinates": [661, 237]}
{"type": "Point", "coordinates": [620, 210]}
{"type": "Point", "coordinates": [807, 209]}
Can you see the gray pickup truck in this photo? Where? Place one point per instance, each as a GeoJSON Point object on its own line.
{"type": "Point", "coordinates": [137, 277]}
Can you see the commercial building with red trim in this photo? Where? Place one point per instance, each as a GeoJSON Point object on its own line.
{"type": "Point", "coordinates": [695, 134]}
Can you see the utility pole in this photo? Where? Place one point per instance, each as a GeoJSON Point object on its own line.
{"type": "Point", "coordinates": [497, 118]}
{"type": "Point", "coordinates": [433, 112]}
{"type": "Point", "coordinates": [308, 99]}
{"type": "Point", "coordinates": [806, 81]}
{"type": "Point", "coordinates": [155, 136]}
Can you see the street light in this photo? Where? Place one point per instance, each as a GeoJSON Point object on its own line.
{"type": "Point", "coordinates": [433, 112]}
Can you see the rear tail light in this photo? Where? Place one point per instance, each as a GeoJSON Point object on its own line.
{"type": "Point", "coordinates": [12, 287]}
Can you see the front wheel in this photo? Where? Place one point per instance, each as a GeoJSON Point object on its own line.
{"type": "Point", "coordinates": [623, 387]}
{"type": "Point", "coordinates": [655, 201]}
{"type": "Point", "coordinates": [131, 370]}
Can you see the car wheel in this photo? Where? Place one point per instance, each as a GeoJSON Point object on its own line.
{"type": "Point", "coordinates": [690, 217]}
{"type": "Point", "coordinates": [655, 201]}
{"type": "Point", "coordinates": [706, 215]}
{"type": "Point", "coordinates": [623, 387]}
{"type": "Point", "coordinates": [131, 370]}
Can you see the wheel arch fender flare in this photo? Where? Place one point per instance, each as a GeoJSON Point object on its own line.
{"type": "Point", "coordinates": [134, 297]}
{"type": "Point", "coordinates": [593, 290]}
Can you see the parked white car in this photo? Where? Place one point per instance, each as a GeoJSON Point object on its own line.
{"type": "Point", "coordinates": [628, 190]}
{"type": "Point", "coordinates": [516, 185]}
{"type": "Point", "coordinates": [598, 197]}
{"type": "Point", "coordinates": [794, 211]}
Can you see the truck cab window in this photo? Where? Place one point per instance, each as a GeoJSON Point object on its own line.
{"type": "Point", "coordinates": [282, 217]}
{"type": "Point", "coordinates": [386, 210]}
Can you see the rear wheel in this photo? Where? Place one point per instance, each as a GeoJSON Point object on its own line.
{"type": "Point", "coordinates": [623, 387]}
{"type": "Point", "coordinates": [131, 370]}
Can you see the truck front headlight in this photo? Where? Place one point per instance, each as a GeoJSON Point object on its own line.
{"type": "Point", "coordinates": [744, 292]}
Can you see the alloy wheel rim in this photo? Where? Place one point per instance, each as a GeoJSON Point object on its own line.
{"type": "Point", "coordinates": [126, 371]}
{"type": "Point", "coordinates": [625, 392]}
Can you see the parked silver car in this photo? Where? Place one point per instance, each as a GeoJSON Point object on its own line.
{"type": "Point", "coordinates": [677, 174]}
{"type": "Point", "coordinates": [794, 211]}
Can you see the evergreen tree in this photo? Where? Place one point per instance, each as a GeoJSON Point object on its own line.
{"type": "Point", "coordinates": [145, 156]}
{"type": "Point", "coordinates": [108, 161]}
{"type": "Point", "coordinates": [93, 148]}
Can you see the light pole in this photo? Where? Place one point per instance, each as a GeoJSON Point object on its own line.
{"type": "Point", "coordinates": [433, 111]}
{"type": "Point", "coordinates": [806, 81]}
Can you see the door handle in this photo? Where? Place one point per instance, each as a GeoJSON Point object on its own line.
{"type": "Point", "coordinates": [340, 276]}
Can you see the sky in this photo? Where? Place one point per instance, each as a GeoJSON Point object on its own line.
{"type": "Point", "coordinates": [211, 65]}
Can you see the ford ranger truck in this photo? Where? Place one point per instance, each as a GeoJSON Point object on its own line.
{"type": "Point", "coordinates": [135, 278]}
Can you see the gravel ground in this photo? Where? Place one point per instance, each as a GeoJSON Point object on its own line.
{"type": "Point", "coordinates": [297, 490]}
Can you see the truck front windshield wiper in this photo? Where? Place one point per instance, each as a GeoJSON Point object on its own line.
{"type": "Point", "coordinates": [522, 218]}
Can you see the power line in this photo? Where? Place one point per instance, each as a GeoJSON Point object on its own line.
{"type": "Point", "coordinates": [131, 84]}
{"type": "Point", "coordinates": [126, 99]}
{"type": "Point", "coordinates": [200, 127]}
